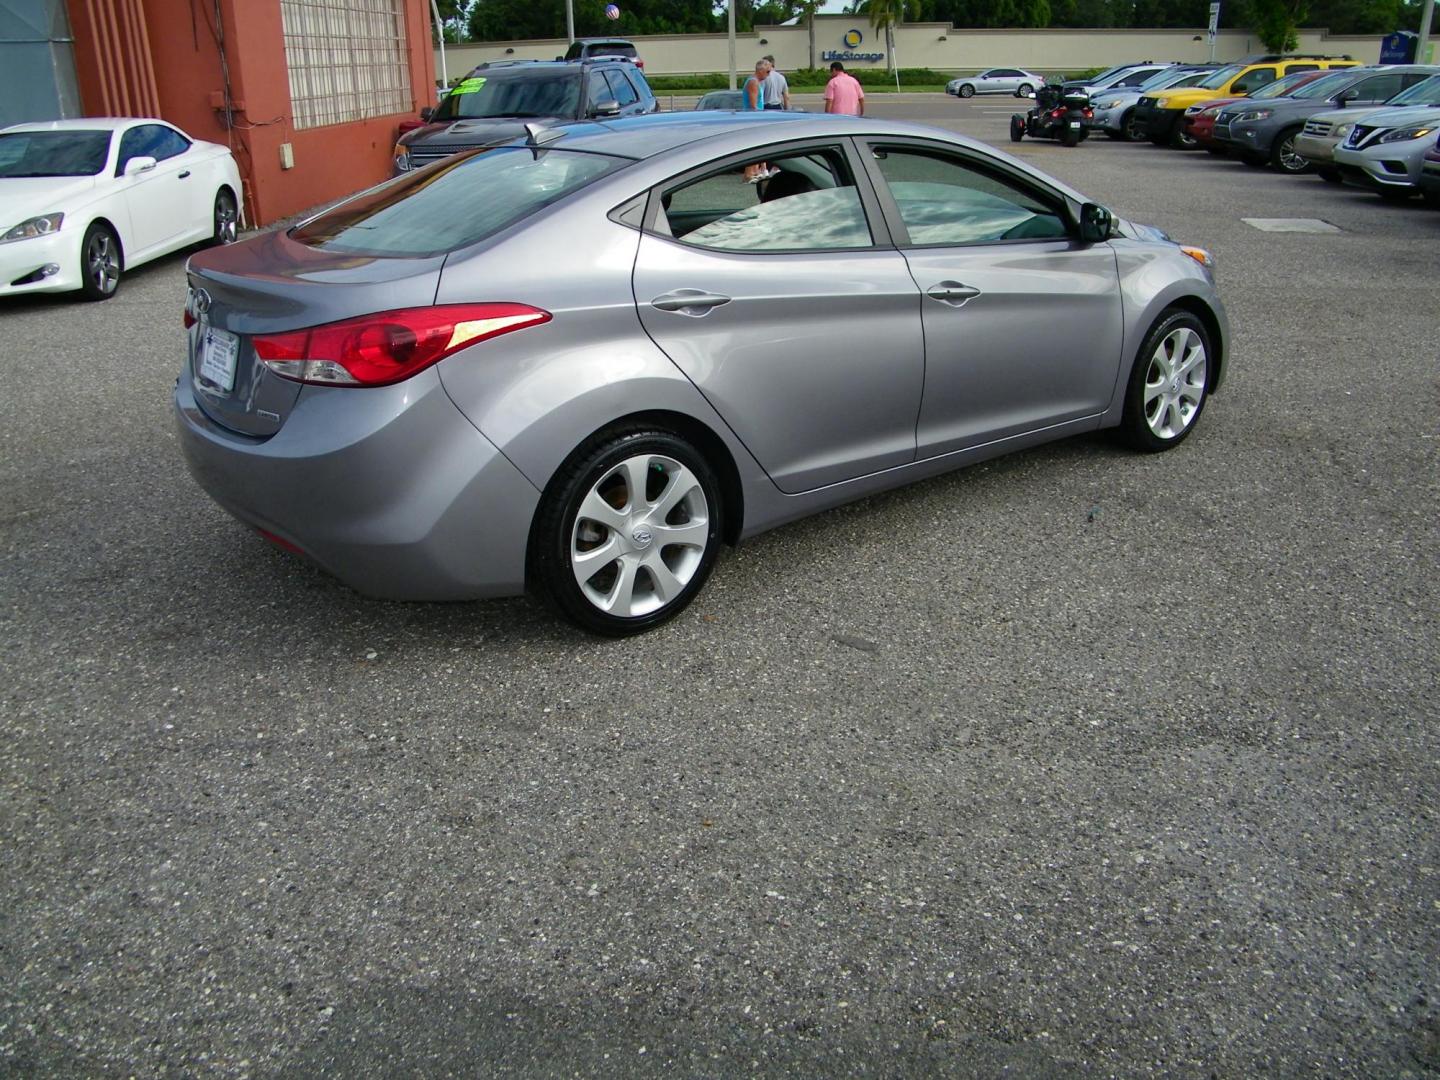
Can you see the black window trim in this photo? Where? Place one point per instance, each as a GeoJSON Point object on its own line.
{"type": "Point", "coordinates": [1065, 207]}
{"type": "Point", "coordinates": [880, 238]}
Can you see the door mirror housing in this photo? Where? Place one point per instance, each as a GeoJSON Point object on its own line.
{"type": "Point", "coordinates": [1095, 223]}
{"type": "Point", "coordinates": [605, 108]}
{"type": "Point", "coordinates": [426, 113]}
{"type": "Point", "coordinates": [138, 165]}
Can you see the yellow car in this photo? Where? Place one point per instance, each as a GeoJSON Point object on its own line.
{"type": "Point", "coordinates": [1160, 116]}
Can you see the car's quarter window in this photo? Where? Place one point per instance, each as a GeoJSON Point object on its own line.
{"type": "Point", "coordinates": [946, 200]}
{"type": "Point", "coordinates": [799, 201]}
{"type": "Point", "coordinates": [455, 203]}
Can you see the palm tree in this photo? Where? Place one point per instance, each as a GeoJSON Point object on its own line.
{"type": "Point", "coordinates": [808, 9]}
{"type": "Point", "coordinates": [886, 15]}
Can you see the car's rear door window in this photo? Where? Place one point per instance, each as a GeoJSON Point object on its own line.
{"type": "Point", "coordinates": [455, 203]}
{"type": "Point", "coordinates": [620, 87]}
{"type": "Point", "coordinates": [945, 200]}
{"type": "Point", "coordinates": [807, 201]}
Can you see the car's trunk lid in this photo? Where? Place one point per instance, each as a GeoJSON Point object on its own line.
{"type": "Point", "coordinates": [272, 284]}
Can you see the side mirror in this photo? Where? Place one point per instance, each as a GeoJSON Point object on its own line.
{"type": "Point", "coordinates": [426, 113]}
{"type": "Point", "coordinates": [1095, 222]}
{"type": "Point", "coordinates": [605, 108]}
{"type": "Point", "coordinates": [138, 165]}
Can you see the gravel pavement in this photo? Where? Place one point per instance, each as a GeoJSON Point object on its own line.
{"type": "Point", "coordinates": [1079, 762]}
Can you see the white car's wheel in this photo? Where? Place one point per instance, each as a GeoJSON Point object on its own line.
{"type": "Point", "coordinates": [100, 262]}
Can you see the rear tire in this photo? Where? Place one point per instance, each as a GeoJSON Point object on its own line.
{"type": "Point", "coordinates": [101, 262]}
{"type": "Point", "coordinates": [1017, 128]}
{"type": "Point", "coordinates": [627, 531]}
{"type": "Point", "coordinates": [1169, 383]}
{"type": "Point", "coordinates": [1069, 136]}
{"type": "Point", "coordinates": [1024, 90]}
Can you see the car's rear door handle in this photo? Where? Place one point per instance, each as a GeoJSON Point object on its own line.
{"type": "Point", "coordinates": [689, 302]}
{"type": "Point", "coordinates": [184, 174]}
{"type": "Point", "coordinates": [952, 292]}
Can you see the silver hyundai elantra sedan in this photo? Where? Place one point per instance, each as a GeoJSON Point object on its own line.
{"type": "Point", "coordinates": [579, 363]}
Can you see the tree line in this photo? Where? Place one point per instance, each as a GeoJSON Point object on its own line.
{"type": "Point", "coordinates": [513, 20]}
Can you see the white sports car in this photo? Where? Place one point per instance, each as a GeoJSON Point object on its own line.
{"type": "Point", "coordinates": [81, 201]}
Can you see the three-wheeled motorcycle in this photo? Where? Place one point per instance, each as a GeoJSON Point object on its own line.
{"type": "Point", "coordinates": [1060, 113]}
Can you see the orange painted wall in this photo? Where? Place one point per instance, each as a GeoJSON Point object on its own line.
{"type": "Point", "coordinates": [330, 162]}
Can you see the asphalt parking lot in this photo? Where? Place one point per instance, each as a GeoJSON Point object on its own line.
{"type": "Point", "coordinates": [1076, 763]}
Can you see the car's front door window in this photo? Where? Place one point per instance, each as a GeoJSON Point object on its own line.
{"type": "Point", "coordinates": [943, 200]}
{"type": "Point", "coordinates": [803, 201]}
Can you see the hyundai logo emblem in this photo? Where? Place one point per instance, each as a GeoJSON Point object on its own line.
{"type": "Point", "coordinates": [642, 537]}
{"type": "Point", "coordinates": [201, 302]}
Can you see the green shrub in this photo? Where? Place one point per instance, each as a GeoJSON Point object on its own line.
{"type": "Point", "coordinates": [668, 83]}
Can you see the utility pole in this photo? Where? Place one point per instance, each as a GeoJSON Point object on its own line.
{"type": "Point", "coordinates": [570, 20]}
{"type": "Point", "coordinates": [1423, 45]}
{"type": "Point", "coordinates": [731, 20]}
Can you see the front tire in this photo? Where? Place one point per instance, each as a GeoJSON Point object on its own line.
{"type": "Point", "coordinates": [967, 90]}
{"type": "Point", "coordinates": [627, 532]}
{"type": "Point", "coordinates": [1169, 383]}
{"type": "Point", "coordinates": [1017, 128]}
{"type": "Point", "coordinates": [227, 219]}
{"type": "Point", "coordinates": [101, 262]}
{"type": "Point", "coordinates": [1128, 128]}
{"type": "Point", "coordinates": [1283, 157]}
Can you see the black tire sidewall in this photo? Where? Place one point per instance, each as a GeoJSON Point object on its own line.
{"type": "Point", "coordinates": [1133, 428]}
{"type": "Point", "coordinates": [549, 564]}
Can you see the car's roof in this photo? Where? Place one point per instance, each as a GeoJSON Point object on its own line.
{"type": "Point", "coordinates": [89, 123]}
{"type": "Point", "coordinates": [517, 69]}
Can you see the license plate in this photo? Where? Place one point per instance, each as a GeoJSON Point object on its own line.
{"type": "Point", "coordinates": [218, 350]}
{"type": "Point", "coordinates": [1074, 123]}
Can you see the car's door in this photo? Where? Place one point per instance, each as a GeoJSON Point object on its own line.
{"type": "Point", "coordinates": [624, 93]}
{"type": "Point", "coordinates": [1378, 88]}
{"type": "Point", "coordinates": [1023, 323]}
{"type": "Point", "coordinates": [786, 305]}
{"type": "Point", "coordinates": [158, 200]}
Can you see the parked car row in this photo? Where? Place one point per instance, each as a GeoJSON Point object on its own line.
{"type": "Point", "coordinates": [1371, 126]}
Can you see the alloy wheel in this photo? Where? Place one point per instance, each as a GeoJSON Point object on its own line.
{"type": "Point", "coordinates": [1286, 157]}
{"type": "Point", "coordinates": [640, 535]}
{"type": "Point", "coordinates": [226, 219]}
{"type": "Point", "coordinates": [1175, 383]}
{"type": "Point", "coordinates": [102, 262]}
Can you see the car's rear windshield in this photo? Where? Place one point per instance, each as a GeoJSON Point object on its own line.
{"type": "Point", "coordinates": [534, 94]}
{"type": "Point", "coordinates": [454, 203]}
{"type": "Point", "coordinates": [1221, 77]}
{"type": "Point", "coordinates": [1422, 93]}
{"type": "Point", "coordinates": [53, 153]}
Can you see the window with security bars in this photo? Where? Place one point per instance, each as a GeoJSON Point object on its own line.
{"type": "Point", "coordinates": [347, 60]}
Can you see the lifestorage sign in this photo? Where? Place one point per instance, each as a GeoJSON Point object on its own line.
{"type": "Point", "coordinates": [852, 41]}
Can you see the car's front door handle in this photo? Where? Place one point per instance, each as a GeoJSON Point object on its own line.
{"type": "Point", "coordinates": [184, 174]}
{"type": "Point", "coordinates": [952, 292]}
{"type": "Point", "coordinates": [689, 302]}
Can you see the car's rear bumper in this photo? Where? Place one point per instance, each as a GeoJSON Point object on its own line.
{"type": "Point", "coordinates": [390, 489]}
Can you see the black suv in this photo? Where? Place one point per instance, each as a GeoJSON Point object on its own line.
{"type": "Point", "coordinates": [492, 104]}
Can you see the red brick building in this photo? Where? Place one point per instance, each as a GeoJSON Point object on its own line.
{"type": "Point", "coordinates": [308, 94]}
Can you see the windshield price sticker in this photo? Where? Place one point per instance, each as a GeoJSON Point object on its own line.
{"type": "Point", "coordinates": [468, 86]}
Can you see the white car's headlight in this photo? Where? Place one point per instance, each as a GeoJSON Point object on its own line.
{"type": "Point", "coordinates": [43, 225]}
{"type": "Point", "coordinates": [1110, 104]}
{"type": "Point", "coordinates": [1255, 114]}
{"type": "Point", "coordinates": [1419, 131]}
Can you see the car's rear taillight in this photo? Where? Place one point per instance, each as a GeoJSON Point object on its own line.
{"type": "Point", "coordinates": [389, 346]}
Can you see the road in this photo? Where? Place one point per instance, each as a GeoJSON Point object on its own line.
{"type": "Point", "coordinates": [1077, 762]}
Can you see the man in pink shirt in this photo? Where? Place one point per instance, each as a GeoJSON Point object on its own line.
{"type": "Point", "coordinates": [843, 93]}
